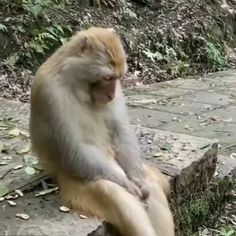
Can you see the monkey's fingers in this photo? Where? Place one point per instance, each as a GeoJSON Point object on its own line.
{"type": "Point", "coordinates": [142, 186]}
{"type": "Point", "coordinates": [134, 189]}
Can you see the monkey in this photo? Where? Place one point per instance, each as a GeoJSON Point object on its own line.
{"type": "Point", "coordinates": [81, 133]}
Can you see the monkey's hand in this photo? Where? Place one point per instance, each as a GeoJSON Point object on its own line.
{"type": "Point", "coordinates": [138, 178]}
{"type": "Point", "coordinates": [121, 179]}
{"type": "Point", "coordinates": [133, 189]}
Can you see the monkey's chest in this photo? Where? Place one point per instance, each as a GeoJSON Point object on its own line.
{"type": "Point", "coordinates": [96, 130]}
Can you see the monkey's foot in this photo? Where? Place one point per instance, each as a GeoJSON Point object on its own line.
{"type": "Point", "coordinates": [105, 229]}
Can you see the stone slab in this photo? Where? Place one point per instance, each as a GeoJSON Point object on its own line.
{"type": "Point", "coordinates": [189, 161]}
{"type": "Point", "coordinates": [148, 117]}
{"type": "Point", "coordinates": [174, 105]}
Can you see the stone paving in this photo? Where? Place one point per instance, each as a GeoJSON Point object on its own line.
{"type": "Point", "coordinates": [178, 123]}
{"type": "Point", "coordinates": [202, 107]}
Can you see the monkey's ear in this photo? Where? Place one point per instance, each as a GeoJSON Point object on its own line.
{"type": "Point", "coordinates": [84, 44]}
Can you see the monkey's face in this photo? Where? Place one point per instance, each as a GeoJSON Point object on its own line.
{"type": "Point", "coordinates": [102, 92]}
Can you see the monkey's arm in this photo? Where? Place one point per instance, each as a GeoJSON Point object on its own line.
{"type": "Point", "coordinates": [127, 147]}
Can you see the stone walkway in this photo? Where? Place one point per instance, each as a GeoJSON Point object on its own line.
{"type": "Point", "coordinates": [204, 107]}
{"type": "Point", "coordinates": [177, 122]}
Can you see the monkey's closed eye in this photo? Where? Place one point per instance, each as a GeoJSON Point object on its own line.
{"type": "Point", "coordinates": [108, 77]}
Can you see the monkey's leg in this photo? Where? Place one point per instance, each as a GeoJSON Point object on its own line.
{"type": "Point", "coordinates": [158, 206]}
{"type": "Point", "coordinates": [110, 202]}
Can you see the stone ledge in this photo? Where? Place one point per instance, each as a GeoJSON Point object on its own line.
{"type": "Point", "coordinates": [190, 162]}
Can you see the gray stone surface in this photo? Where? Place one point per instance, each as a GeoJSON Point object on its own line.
{"type": "Point", "coordinates": [185, 117]}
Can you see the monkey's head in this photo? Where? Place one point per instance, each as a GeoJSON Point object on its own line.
{"type": "Point", "coordinates": [104, 51]}
{"type": "Point", "coordinates": [103, 61]}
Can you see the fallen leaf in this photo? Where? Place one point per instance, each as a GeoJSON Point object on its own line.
{"type": "Point", "coordinates": [83, 217]}
{"type": "Point", "coordinates": [11, 203]}
{"type": "Point", "coordinates": [188, 128]}
{"type": "Point", "coordinates": [30, 160]}
{"type": "Point", "coordinates": [47, 191]}
{"type": "Point", "coordinates": [3, 163]}
{"type": "Point", "coordinates": [3, 190]}
{"type": "Point", "coordinates": [24, 150]}
{"type": "Point", "coordinates": [38, 167]}
{"type": "Point", "coordinates": [145, 101]}
{"type": "Point", "coordinates": [22, 216]}
{"type": "Point", "coordinates": [17, 167]}
{"type": "Point", "coordinates": [166, 147]}
{"type": "Point", "coordinates": [19, 192]}
{"type": "Point", "coordinates": [14, 132]}
{"type": "Point", "coordinates": [10, 197]}
{"type": "Point", "coordinates": [205, 146]}
{"type": "Point", "coordinates": [149, 141]}
{"type": "Point", "coordinates": [24, 133]}
{"type": "Point", "coordinates": [64, 209]}
{"type": "Point", "coordinates": [158, 154]}
{"type": "Point", "coordinates": [233, 155]}
{"type": "Point", "coordinates": [29, 170]}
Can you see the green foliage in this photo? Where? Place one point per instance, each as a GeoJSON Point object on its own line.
{"type": "Point", "coordinates": [3, 28]}
{"type": "Point", "coordinates": [36, 33]}
{"type": "Point", "coordinates": [212, 53]}
{"type": "Point", "coordinates": [227, 232]}
{"type": "Point", "coordinates": [166, 54]}
{"type": "Point", "coordinates": [163, 53]}
{"type": "Point", "coordinates": [35, 7]}
{"type": "Point", "coordinates": [156, 56]}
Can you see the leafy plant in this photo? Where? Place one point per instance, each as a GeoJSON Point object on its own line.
{"type": "Point", "coordinates": [36, 34]}
{"type": "Point", "coordinates": [35, 7]}
{"type": "Point", "coordinates": [157, 56]}
{"type": "Point", "coordinates": [3, 28]}
{"type": "Point", "coordinates": [212, 54]}
{"type": "Point", "coordinates": [227, 232]}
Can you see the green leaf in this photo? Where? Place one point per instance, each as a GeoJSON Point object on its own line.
{"type": "Point", "coordinates": [36, 9]}
{"type": "Point", "coordinates": [3, 28]}
{"type": "Point", "coordinates": [154, 56]}
{"type": "Point", "coordinates": [3, 190]}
